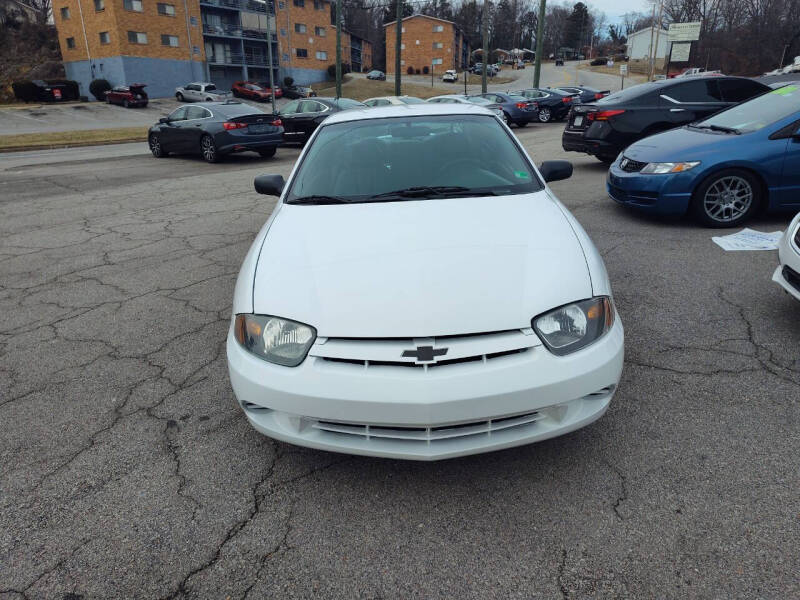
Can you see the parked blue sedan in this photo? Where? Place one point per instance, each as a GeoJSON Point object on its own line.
{"type": "Point", "coordinates": [721, 170]}
{"type": "Point", "coordinates": [516, 109]}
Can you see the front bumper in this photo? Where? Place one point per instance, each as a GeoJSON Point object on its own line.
{"type": "Point", "coordinates": [787, 275]}
{"type": "Point", "coordinates": [667, 194]}
{"type": "Point", "coordinates": [428, 414]}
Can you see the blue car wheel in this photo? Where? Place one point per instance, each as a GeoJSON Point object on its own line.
{"type": "Point", "coordinates": [727, 198]}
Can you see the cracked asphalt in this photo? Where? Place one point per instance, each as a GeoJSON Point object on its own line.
{"type": "Point", "coordinates": [127, 470]}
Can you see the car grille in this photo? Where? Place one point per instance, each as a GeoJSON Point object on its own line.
{"type": "Point", "coordinates": [365, 353]}
{"type": "Point", "coordinates": [631, 166]}
{"type": "Point", "coordinates": [792, 276]}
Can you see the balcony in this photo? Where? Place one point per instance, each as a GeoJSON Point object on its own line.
{"type": "Point", "coordinates": [239, 59]}
{"type": "Point", "coordinates": [259, 6]}
{"type": "Point", "coordinates": [236, 31]}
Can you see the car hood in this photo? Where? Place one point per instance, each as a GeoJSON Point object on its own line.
{"type": "Point", "coordinates": [420, 268]}
{"type": "Point", "coordinates": [683, 144]}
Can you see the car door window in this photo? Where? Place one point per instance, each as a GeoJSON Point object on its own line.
{"type": "Point", "coordinates": [739, 90]}
{"type": "Point", "coordinates": [309, 106]}
{"type": "Point", "coordinates": [697, 91]}
{"type": "Point", "coordinates": [290, 108]}
{"type": "Point", "coordinates": [196, 112]}
{"type": "Point", "coordinates": [178, 114]}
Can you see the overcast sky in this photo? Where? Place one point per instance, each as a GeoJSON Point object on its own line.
{"type": "Point", "coordinates": [614, 9]}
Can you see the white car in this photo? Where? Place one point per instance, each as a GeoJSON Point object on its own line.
{"type": "Point", "coordinates": [450, 76]}
{"type": "Point", "coordinates": [393, 101]}
{"type": "Point", "coordinates": [787, 275]}
{"type": "Point", "coordinates": [476, 100]}
{"type": "Point", "coordinates": [201, 91]}
{"type": "Point", "coordinates": [420, 293]}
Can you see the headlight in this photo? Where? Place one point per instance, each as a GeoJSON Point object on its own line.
{"type": "Point", "coordinates": [669, 167]}
{"type": "Point", "coordinates": [575, 326]}
{"type": "Point", "coordinates": [278, 341]}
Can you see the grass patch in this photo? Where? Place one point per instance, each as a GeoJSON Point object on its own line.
{"type": "Point", "coordinates": [359, 88]}
{"type": "Point", "coordinates": [66, 139]}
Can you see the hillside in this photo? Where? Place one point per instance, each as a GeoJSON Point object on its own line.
{"type": "Point", "coordinates": [27, 51]}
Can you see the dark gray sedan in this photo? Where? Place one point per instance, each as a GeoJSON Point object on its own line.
{"type": "Point", "coordinates": [214, 129]}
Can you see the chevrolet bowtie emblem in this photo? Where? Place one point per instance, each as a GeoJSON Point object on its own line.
{"type": "Point", "coordinates": [424, 354]}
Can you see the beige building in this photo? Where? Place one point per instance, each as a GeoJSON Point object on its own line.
{"type": "Point", "coordinates": [427, 42]}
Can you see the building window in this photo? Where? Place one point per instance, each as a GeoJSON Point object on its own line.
{"type": "Point", "coordinates": [319, 5]}
{"type": "Point", "coordinates": [71, 43]}
{"type": "Point", "coordinates": [322, 55]}
{"type": "Point", "coordinates": [105, 38]}
{"type": "Point", "coordinates": [196, 50]}
{"type": "Point", "coordinates": [402, 62]}
{"type": "Point", "coordinates": [166, 9]}
{"type": "Point", "coordinates": [300, 3]}
{"type": "Point", "coordinates": [137, 37]}
{"type": "Point", "coordinates": [193, 21]}
{"type": "Point", "coordinates": [436, 61]}
{"type": "Point", "coordinates": [281, 5]}
{"type": "Point", "coordinates": [402, 46]}
{"type": "Point", "coordinates": [402, 29]}
{"type": "Point", "coordinates": [64, 14]}
{"type": "Point", "coordinates": [299, 28]}
{"type": "Point", "coordinates": [320, 31]}
{"type": "Point", "coordinates": [438, 28]}
{"type": "Point", "coordinates": [283, 31]}
{"type": "Point", "coordinates": [134, 5]}
{"type": "Point", "coordinates": [169, 40]}
{"type": "Point", "coordinates": [438, 44]}
{"type": "Point", "coordinates": [99, 5]}
{"type": "Point", "coordinates": [301, 52]}
{"type": "Point", "coordinates": [285, 57]}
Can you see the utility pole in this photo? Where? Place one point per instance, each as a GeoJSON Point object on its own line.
{"type": "Point", "coordinates": [338, 48]}
{"type": "Point", "coordinates": [269, 55]}
{"type": "Point", "coordinates": [658, 31]}
{"type": "Point", "coordinates": [537, 71]}
{"type": "Point", "coordinates": [485, 33]}
{"type": "Point", "coordinates": [397, 46]}
{"type": "Point", "coordinates": [650, 52]}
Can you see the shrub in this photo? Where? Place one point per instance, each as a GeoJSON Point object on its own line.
{"type": "Point", "coordinates": [25, 90]}
{"type": "Point", "coordinates": [98, 88]}
{"type": "Point", "coordinates": [410, 70]}
{"type": "Point", "coordinates": [288, 81]}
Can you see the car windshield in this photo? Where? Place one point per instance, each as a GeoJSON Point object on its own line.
{"type": "Point", "coordinates": [757, 113]}
{"type": "Point", "coordinates": [478, 100]}
{"type": "Point", "coordinates": [410, 159]}
{"type": "Point", "coordinates": [411, 100]}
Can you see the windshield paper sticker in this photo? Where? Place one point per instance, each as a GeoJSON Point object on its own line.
{"type": "Point", "coordinates": [522, 175]}
{"type": "Point", "coordinates": [786, 90]}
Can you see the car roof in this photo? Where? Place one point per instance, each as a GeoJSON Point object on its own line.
{"type": "Point", "coordinates": [406, 110]}
{"type": "Point", "coordinates": [456, 96]}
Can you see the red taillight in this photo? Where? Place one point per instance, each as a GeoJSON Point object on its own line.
{"type": "Point", "coordinates": [277, 123]}
{"type": "Point", "coordinates": [598, 95]}
{"type": "Point", "coordinates": [522, 105]}
{"type": "Point", "coordinates": [228, 125]}
{"type": "Point", "coordinates": [566, 99]}
{"type": "Point", "coordinates": [603, 115]}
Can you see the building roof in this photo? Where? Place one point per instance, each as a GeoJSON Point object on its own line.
{"type": "Point", "coordinates": [646, 30]}
{"type": "Point", "coordinates": [405, 111]}
{"type": "Point", "coordinates": [421, 16]}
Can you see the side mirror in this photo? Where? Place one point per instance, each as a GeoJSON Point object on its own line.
{"type": "Point", "coordinates": [269, 185]}
{"type": "Point", "coordinates": [796, 136]}
{"type": "Point", "coordinates": [164, 120]}
{"type": "Point", "coordinates": [555, 170]}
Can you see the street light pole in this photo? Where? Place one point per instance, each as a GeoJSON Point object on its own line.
{"type": "Point", "coordinates": [485, 32]}
{"type": "Point", "coordinates": [397, 46]}
{"type": "Point", "coordinates": [269, 57]}
{"type": "Point", "coordinates": [338, 49]}
{"type": "Point", "coordinates": [537, 71]}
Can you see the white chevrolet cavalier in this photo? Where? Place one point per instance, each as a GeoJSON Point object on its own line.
{"type": "Point", "coordinates": [420, 293]}
{"type": "Point", "coordinates": [787, 275]}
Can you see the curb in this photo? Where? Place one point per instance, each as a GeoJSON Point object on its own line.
{"type": "Point", "coordinates": [70, 145]}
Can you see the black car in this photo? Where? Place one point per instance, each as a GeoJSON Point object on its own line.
{"type": "Point", "coordinates": [553, 104]}
{"type": "Point", "coordinates": [516, 109]}
{"type": "Point", "coordinates": [293, 92]}
{"type": "Point", "coordinates": [214, 129]}
{"type": "Point", "coordinates": [585, 94]}
{"type": "Point", "coordinates": [301, 117]}
{"type": "Point", "coordinates": [611, 124]}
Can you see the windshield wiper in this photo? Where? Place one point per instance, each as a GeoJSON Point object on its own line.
{"type": "Point", "coordinates": [442, 191]}
{"type": "Point", "coordinates": [721, 128]}
{"type": "Point", "coordinates": [319, 200]}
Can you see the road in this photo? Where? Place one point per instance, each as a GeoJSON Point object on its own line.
{"type": "Point", "coordinates": [128, 470]}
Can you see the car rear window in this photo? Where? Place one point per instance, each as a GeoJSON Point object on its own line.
{"type": "Point", "coordinates": [210, 87]}
{"type": "Point", "coordinates": [348, 103]}
{"type": "Point", "coordinates": [515, 98]}
{"type": "Point", "coordinates": [411, 100]}
{"type": "Point", "coordinates": [632, 94]}
{"type": "Point", "coordinates": [357, 160]}
{"type": "Point", "coordinates": [478, 100]}
{"type": "Point", "coordinates": [236, 110]}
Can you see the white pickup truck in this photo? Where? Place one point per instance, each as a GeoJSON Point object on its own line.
{"type": "Point", "coordinates": [450, 75]}
{"type": "Point", "coordinates": [200, 91]}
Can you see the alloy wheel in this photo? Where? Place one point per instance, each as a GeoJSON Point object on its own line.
{"type": "Point", "coordinates": [728, 199]}
{"type": "Point", "coordinates": [545, 115]}
{"type": "Point", "coordinates": [155, 146]}
{"type": "Point", "coordinates": [208, 149]}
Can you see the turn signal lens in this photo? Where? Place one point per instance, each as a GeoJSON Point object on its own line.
{"type": "Point", "coordinates": [575, 326]}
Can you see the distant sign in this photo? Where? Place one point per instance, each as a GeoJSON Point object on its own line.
{"type": "Point", "coordinates": [681, 51]}
{"type": "Point", "coordinates": [623, 70]}
{"type": "Point", "coordinates": [684, 32]}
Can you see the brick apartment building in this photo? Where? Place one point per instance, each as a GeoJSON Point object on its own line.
{"type": "Point", "coordinates": [166, 43]}
{"type": "Point", "coordinates": [427, 42]}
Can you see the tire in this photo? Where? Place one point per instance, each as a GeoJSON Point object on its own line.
{"type": "Point", "coordinates": [606, 159]}
{"type": "Point", "coordinates": [209, 100]}
{"type": "Point", "coordinates": [208, 149]}
{"type": "Point", "coordinates": [179, 97]}
{"type": "Point", "coordinates": [506, 120]}
{"type": "Point", "coordinates": [125, 103]}
{"type": "Point", "coordinates": [268, 152]}
{"type": "Point", "coordinates": [545, 115]}
{"type": "Point", "coordinates": [155, 146]}
{"type": "Point", "coordinates": [727, 198]}
{"type": "Point", "coordinates": [520, 124]}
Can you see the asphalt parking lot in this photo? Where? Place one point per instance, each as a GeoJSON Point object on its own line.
{"type": "Point", "coordinates": [128, 470]}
